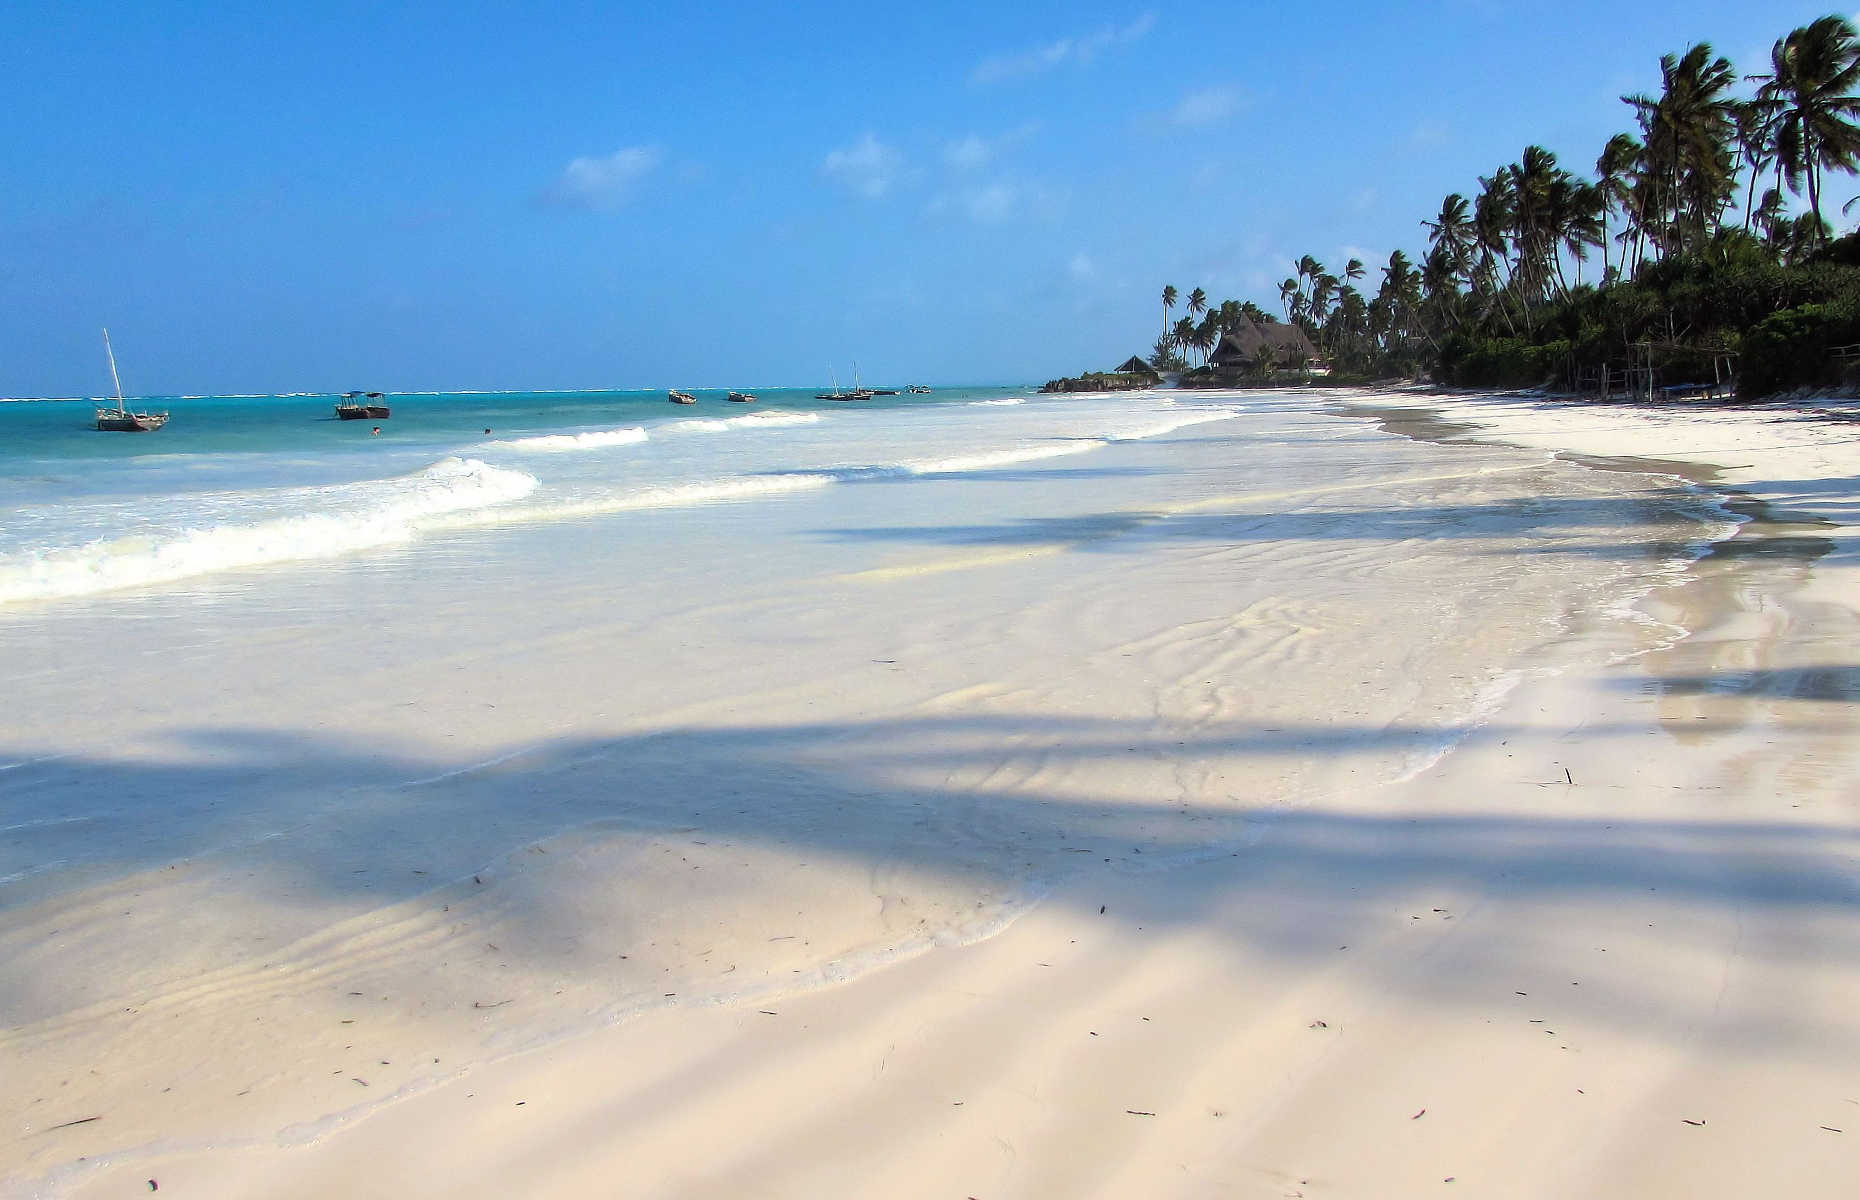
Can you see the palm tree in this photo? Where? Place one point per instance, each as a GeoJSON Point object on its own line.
{"type": "Point", "coordinates": [1197, 302]}
{"type": "Point", "coordinates": [1688, 132]}
{"type": "Point", "coordinates": [1352, 320]}
{"type": "Point", "coordinates": [1289, 297]}
{"type": "Point", "coordinates": [1184, 333]}
{"type": "Point", "coordinates": [1398, 297]}
{"type": "Point", "coordinates": [1580, 222]}
{"type": "Point", "coordinates": [1324, 285]}
{"type": "Point", "coordinates": [1813, 75]}
{"type": "Point", "coordinates": [1536, 181]}
{"type": "Point", "coordinates": [1208, 334]}
{"type": "Point", "coordinates": [1493, 214]}
{"type": "Point", "coordinates": [1769, 219]}
{"type": "Point", "coordinates": [1452, 229]}
{"type": "Point", "coordinates": [1801, 237]}
{"type": "Point", "coordinates": [1618, 158]}
{"type": "Point", "coordinates": [1168, 303]}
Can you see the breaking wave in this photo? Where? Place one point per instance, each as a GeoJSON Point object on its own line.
{"type": "Point", "coordinates": [346, 518]}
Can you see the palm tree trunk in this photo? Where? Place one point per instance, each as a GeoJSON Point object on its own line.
{"type": "Point", "coordinates": [1814, 180]}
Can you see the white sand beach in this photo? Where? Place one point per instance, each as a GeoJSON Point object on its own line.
{"type": "Point", "coordinates": [1336, 794]}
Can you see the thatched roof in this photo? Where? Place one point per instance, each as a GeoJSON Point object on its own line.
{"type": "Point", "coordinates": [1241, 345]}
{"type": "Point", "coordinates": [1134, 365]}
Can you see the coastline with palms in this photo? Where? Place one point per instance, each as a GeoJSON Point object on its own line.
{"type": "Point", "coordinates": [1710, 221]}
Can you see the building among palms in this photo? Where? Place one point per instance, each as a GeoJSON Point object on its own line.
{"type": "Point", "coordinates": [1130, 375]}
{"type": "Point", "coordinates": [1248, 348]}
{"type": "Point", "coordinates": [1136, 367]}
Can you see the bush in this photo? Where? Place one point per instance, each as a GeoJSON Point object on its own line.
{"type": "Point", "coordinates": [1793, 348]}
{"type": "Point", "coordinates": [1504, 362]}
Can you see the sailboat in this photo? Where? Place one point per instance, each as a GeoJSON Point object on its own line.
{"type": "Point", "coordinates": [857, 393]}
{"type": "Point", "coordinates": [120, 419]}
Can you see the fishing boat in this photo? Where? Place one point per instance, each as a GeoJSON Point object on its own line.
{"type": "Point", "coordinates": [681, 397]}
{"type": "Point", "coordinates": [120, 419]}
{"type": "Point", "coordinates": [918, 389]}
{"type": "Point", "coordinates": [361, 406]}
{"type": "Point", "coordinates": [857, 393]}
{"type": "Point", "coordinates": [741, 398]}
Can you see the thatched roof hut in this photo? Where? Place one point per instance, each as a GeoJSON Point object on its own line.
{"type": "Point", "coordinates": [1134, 365]}
{"type": "Point", "coordinates": [1239, 348]}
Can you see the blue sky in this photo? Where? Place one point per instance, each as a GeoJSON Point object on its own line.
{"type": "Point", "coordinates": [327, 196]}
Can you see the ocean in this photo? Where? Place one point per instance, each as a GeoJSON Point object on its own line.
{"type": "Point", "coordinates": [238, 483]}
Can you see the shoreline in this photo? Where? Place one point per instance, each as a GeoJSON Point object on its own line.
{"type": "Point", "coordinates": [944, 1057]}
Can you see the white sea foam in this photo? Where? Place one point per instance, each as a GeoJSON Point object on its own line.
{"type": "Point", "coordinates": [1005, 402]}
{"type": "Point", "coordinates": [348, 518]}
{"type": "Point", "coordinates": [990, 459]}
{"type": "Point", "coordinates": [746, 421]}
{"type": "Point", "coordinates": [558, 443]}
{"type": "Point", "coordinates": [1173, 424]}
{"type": "Point", "coordinates": [606, 503]}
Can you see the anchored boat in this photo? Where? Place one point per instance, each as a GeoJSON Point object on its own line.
{"type": "Point", "coordinates": [120, 419]}
{"type": "Point", "coordinates": [361, 406]}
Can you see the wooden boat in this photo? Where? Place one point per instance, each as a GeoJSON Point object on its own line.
{"type": "Point", "coordinates": [857, 393]}
{"type": "Point", "coordinates": [918, 389]}
{"type": "Point", "coordinates": [741, 398]}
{"type": "Point", "coordinates": [120, 419]}
{"type": "Point", "coordinates": [361, 406]}
{"type": "Point", "coordinates": [681, 397]}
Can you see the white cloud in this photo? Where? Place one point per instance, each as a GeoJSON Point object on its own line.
{"type": "Point", "coordinates": [990, 203]}
{"type": "Point", "coordinates": [973, 152]}
{"type": "Point", "coordinates": [604, 184]}
{"type": "Point", "coordinates": [968, 154]}
{"type": "Point", "coordinates": [1207, 106]}
{"type": "Point", "coordinates": [1429, 134]}
{"type": "Point", "coordinates": [1079, 51]}
{"type": "Point", "coordinates": [998, 201]}
{"type": "Point", "coordinates": [869, 167]}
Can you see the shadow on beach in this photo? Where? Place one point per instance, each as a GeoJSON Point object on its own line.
{"type": "Point", "coordinates": [417, 832]}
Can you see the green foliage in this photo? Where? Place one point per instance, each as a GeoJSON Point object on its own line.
{"type": "Point", "coordinates": [1793, 348]}
{"type": "Point", "coordinates": [1501, 362]}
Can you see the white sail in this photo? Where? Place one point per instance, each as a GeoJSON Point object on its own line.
{"type": "Point", "coordinates": [113, 378]}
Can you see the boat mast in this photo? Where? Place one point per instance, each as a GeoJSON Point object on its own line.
{"type": "Point", "coordinates": [113, 378]}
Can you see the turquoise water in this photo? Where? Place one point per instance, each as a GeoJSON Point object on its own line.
{"type": "Point", "coordinates": [243, 483]}
{"type": "Point", "coordinates": [50, 431]}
